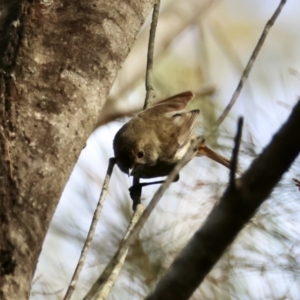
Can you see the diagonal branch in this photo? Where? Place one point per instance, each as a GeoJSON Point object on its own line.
{"type": "Point", "coordinates": [237, 205]}
{"type": "Point", "coordinates": [250, 63]}
{"type": "Point", "coordinates": [179, 13]}
{"type": "Point", "coordinates": [128, 239]}
{"type": "Point", "coordinates": [92, 230]}
{"type": "Point", "coordinates": [107, 279]}
{"type": "Point", "coordinates": [105, 282]}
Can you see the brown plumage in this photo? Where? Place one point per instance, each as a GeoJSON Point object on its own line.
{"type": "Point", "coordinates": [151, 143]}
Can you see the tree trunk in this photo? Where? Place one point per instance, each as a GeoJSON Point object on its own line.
{"type": "Point", "coordinates": [58, 62]}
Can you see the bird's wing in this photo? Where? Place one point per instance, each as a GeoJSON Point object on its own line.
{"type": "Point", "coordinates": [185, 123]}
{"type": "Point", "coordinates": [180, 124]}
{"type": "Point", "coordinates": [174, 107]}
{"type": "Point", "coordinates": [175, 103]}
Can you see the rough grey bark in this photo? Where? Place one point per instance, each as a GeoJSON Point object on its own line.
{"type": "Point", "coordinates": [58, 60]}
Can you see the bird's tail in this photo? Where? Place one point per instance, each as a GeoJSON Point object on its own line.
{"type": "Point", "coordinates": [204, 150]}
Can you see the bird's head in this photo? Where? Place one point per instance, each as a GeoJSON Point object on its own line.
{"type": "Point", "coordinates": [134, 152]}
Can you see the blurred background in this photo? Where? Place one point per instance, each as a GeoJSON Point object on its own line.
{"type": "Point", "coordinates": [202, 46]}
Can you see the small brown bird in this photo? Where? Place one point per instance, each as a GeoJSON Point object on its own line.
{"type": "Point", "coordinates": [151, 143]}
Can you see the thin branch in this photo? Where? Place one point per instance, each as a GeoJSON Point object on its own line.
{"type": "Point", "coordinates": [110, 113]}
{"type": "Point", "coordinates": [129, 77]}
{"type": "Point", "coordinates": [143, 218]}
{"type": "Point", "coordinates": [92, 229]}
{"type": "Point", "coordinates": [249, 66]}
{"type": "Point", "coordinates": [231, 214]}
{"type": "Point", "coordinates": [105, 289]}
{"type": "Point", "coordinates": [136, 190]}
{"type": "Point", "coordinates": [150, 92]}
{"type": "Point", "coordinates": [105, 282]}
{"type": "Point", "coordinates": [159, 193]}
{"type": "Point", "coordinates": [179, 13]}
{"type": "Point", "coordinates": [235, 152]}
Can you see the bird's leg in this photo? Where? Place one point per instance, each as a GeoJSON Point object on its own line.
{"type": "Point", "coordinates": [135, 193]}
{"type": "Point", "coordinates": [135, 190]}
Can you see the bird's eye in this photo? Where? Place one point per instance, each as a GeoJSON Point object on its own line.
{"type": "Point", "coordinates": [140, 154]}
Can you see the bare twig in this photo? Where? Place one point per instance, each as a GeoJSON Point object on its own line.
{"type": "Point", "coordinates": [297, 183]}
{"type": "Point", "coordinates": [179, 13]}
{"type": "Point", "coordinates": [251, 61]}
{"type": "Point", "coordinates": [92, 229]}
{"type": "Point", "coordinates": [143, 218]}
{"type": "Point", "coordinates": [128, 111]}
{"type": "Point", "coordinates": [150, 92]}
{"type": "Point", "coordinates": [159, 193]}
{"type": "Point", "coordinates": [235, 152]}
{"type": "Point", "coordinates": [136, 190]}
{"type": "Point", "coordinates": [231, 214]}
{"type": "Point", "coordinates": [105, 282]}
{"type": "Point", "coordinates": [108, 277]}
